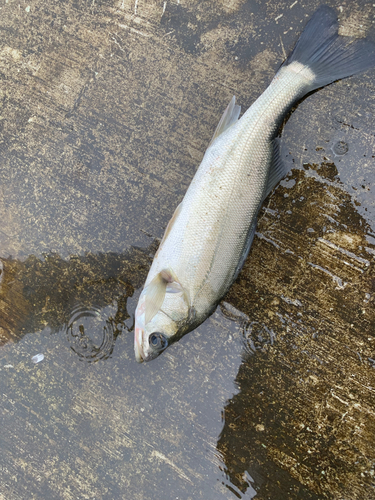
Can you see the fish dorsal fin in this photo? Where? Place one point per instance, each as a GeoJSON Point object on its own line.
{"type": "Point", "coordinates": [164, 282]}
{"type": "Point", "coordinates": [230, 116]}
{"type": "Point", "coordinates": [278, 168]}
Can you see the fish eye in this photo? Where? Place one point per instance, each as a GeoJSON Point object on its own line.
{"type": "Point", "coordinates": [158, 340]}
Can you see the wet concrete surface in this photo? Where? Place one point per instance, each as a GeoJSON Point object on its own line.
{"type": "Point", "coordinates": [106, 109]}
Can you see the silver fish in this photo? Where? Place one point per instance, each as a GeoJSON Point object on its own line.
{"type": "Point", "coordinates": [210, 234]}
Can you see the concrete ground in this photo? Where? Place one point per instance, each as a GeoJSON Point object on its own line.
{"type": "Point", "coordinates": [106, 109]}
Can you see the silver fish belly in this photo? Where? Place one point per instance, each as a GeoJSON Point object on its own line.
{"type": "Point", "coordinates": [210, 234]}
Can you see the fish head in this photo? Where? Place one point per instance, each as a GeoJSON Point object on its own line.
{"type": "Point", "coordinates": [160, 319]}
{"type": "Point", "coordinates": [151, 339]}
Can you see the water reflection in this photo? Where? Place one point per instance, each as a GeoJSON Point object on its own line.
{"type": "Point", "coordinates": [105, 115]}
{"type": "Point", "coordinates": [302, 424]}
{"type": "Point", "coordinates": [86, 296]}
{"type": "Point", "coordinates": [255, 427]}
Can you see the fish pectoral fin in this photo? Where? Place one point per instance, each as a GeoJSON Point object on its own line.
{"type": "Point", "coordinates": [164, 282]}
{"type": "Point", "coordinates": [154, 297]}
{"type": "Point", "coordinates": [230, 116]}
{"type": "Point", "coordinates": [278, 168]}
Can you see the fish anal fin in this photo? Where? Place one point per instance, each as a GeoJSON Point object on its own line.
{"type": "Point", "coordinates": [230, 116]}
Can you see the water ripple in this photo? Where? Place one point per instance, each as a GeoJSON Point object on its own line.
{"type": "Point", "coordinates": [91, 332]}
{"type": "Point", "coordinates": [256, 336]}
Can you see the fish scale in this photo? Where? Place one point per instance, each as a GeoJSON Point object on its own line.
{"type": "Point", "coordinates": [234, 172]}
{"type": "Point", "coordinates": [210, 234]}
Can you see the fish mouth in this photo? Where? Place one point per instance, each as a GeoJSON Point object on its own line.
{"type": "Point", "coordinates": [138, 351]}
{"type": "Point", "coordinates": [138, 356]}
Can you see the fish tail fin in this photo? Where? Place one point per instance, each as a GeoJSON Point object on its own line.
{"type": "Point", "coordinates": [324, 56]}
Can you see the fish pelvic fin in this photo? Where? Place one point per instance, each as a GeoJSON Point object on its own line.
{"type": "Point", "coordinates": [230, 116]}
{"type": "Point", "coordinates": [164, 282]}
{"type": "Point", "coordinates": [323, 56]}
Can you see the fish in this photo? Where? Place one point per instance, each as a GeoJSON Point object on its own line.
{"type": "Point", "coordinates": [211, 231]}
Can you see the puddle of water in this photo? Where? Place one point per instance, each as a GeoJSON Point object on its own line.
{"type": "Point", "coordinates": [91, 332]}
{"type": "Point", "coordinates": [159, 424]}
{"type": "Point", "coordinates": [101, 133]}
{"type": "Point", "coordinates": [311, 381]}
